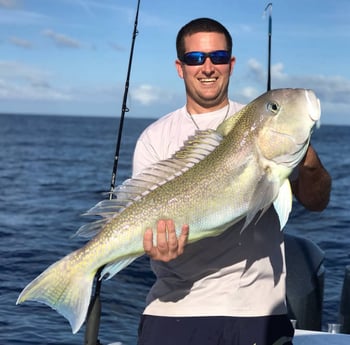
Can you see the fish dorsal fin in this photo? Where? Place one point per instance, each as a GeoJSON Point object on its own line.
{"type": "Point", "coordinates": [198, 146]}
{"type": "Point", "coordinates": [195, 149]}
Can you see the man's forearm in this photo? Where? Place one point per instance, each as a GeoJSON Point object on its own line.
{"type": "Point", "coordinates": [313, 185]}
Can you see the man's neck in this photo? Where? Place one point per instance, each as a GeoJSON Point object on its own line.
{"type": "Point", "coordinates": [199, 109]}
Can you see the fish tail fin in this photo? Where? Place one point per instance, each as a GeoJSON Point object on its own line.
{"type": "Point", "coordinates": [65, 288]}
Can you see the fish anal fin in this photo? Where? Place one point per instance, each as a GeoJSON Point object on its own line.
{"type": "Point", "coordinates": [114, 267]}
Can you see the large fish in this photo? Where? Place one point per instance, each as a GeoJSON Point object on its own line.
{"type": "Point", "coordinates": [217, 178]}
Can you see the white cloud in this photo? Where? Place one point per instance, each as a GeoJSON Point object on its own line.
{"type": "Point", "coordinates": [256, 70]}
{"type": "Point", "coordinates": [333, 91]}
{"type": "Point", "coordinates": [329, 88]}
{"type": "Point", "coordinates": [24, 82]}
{"type": "Point", "coordinates": [20, 42]}
{"type": "Point", "coordinates": [277, 71]}
{"type": "Point", "coordinates": [117, 47]}
{"type": "Point", "coordinates": [16, 70]}
{"type": "Point", "coordinates": [25, 86]}
{"type": "Point", "coordinates": [9, 3]}
{"type": "Point", "coordinates": [17, 17]}
{"type": "Point", "coordinates": [147, 94]}
{"type": "Point", "coordinates": [61, 40]}
{"type": "Point", "coordinates": [250, 92]}
{"type": "Point", "coordinates": [20, 81]}
{"type": "Point", "coordinates": [246, 28]}
{"type": "Point", "coordinates": [23, 91]}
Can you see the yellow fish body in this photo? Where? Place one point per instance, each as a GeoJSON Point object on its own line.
{"type": "Point", "coordinates": [218, 178]}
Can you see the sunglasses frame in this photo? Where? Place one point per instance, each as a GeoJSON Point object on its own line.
{"type": "Point", "coordinates": [202, 56]}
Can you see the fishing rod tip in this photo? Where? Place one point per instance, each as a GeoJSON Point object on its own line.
{"type": "Point", "coordinates": [269, 5]}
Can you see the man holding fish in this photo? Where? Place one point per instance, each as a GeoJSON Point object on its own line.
{"type": "Point", "coordinates": [209, 197]}
{"type": "Point", "coordinates": [227, 289]}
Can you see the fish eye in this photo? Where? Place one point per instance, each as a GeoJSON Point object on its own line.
{"type": "Point", "coordinates": [273, 107]}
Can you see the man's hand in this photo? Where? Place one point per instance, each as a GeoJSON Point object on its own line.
{"type": "Point", "coordinates": [168, 245]}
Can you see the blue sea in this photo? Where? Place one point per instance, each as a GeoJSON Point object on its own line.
{"type": "Point", "coordinates": [54, 168]}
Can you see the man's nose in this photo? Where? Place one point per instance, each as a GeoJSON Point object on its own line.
{"type": "Point", "coordinates": [208, 66]}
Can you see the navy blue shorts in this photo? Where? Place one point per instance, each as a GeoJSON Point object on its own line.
{"type": "Point", "coordinates": [215, 330]}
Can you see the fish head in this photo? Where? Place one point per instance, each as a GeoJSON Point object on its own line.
{"type": "Point", "coordinates": [286, 120]}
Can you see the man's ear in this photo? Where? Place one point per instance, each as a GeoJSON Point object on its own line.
{"type": "Point", "coordinates": [232, 64]}
{"type": "Point", "coordinates": [179, 68]}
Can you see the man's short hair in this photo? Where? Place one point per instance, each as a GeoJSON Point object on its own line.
{"type": "Point", "coordinates": [201, 25]}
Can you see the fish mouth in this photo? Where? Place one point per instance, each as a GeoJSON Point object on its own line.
{"type": "Point", "coordinates": [313, 105]}
{"type": "Point", "coordinates": [290, 160]}
{"type": "Point", "coordinates": [299, 153]}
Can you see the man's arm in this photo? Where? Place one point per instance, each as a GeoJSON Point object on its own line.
{"type": "Point", "coordinates": [313, 185]}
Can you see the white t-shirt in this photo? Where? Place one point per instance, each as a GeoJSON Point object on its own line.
{"type": "Point", "coordinates": [232, 274]}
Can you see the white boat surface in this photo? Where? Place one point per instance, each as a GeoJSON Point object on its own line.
{"type": "Point", "coordinates": [303, 337]}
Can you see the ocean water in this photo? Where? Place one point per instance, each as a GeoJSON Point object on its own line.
{"type": "Point", "coordinates": [52, 169]}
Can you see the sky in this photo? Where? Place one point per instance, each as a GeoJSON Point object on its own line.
{"type": "Point", "coordinates": [70, 57]}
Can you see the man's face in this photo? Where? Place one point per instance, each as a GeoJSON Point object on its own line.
{"type": "Point", "coordinates": [207, 84]}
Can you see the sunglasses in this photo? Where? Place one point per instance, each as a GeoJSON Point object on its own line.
{"type": "Point", "coordinates": [217, 57]}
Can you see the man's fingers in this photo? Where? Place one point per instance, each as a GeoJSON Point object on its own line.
{"type": "Point", "coordinates": [162, 237]}
{"type": "Point", "coordinates": [172, 238]}
{"type": "Point", "coordinates": [183, 238]}
{"type": "Point", "coordinates": [148, 242]}
{"type": "Point", "coordinates": [168, 246]}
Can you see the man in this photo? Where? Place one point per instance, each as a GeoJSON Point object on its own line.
{"type": "Point", "coordinates": [228, 289]}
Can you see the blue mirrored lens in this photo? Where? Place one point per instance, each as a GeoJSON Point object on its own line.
{"type": "Point", "coordinates": [217, 57]}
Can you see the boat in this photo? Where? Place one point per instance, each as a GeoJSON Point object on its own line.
{"type": "Point", "coordinates": [305, 286]}
{"type": "Point", "coordinates": [304, 337]}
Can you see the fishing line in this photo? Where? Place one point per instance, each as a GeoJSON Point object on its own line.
{"type": "Point", "coordinates": [94, 313]}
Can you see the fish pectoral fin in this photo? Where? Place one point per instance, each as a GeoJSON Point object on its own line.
{"type": "Point", "coordinates": [265, 192]}
{"type": "Point", "coordinates": [112, 268]}
{"type": "Point", "coordinates": [283, 203]}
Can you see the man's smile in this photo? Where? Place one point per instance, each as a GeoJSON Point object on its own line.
{"type": "Point", "coordinates": [207, 80]}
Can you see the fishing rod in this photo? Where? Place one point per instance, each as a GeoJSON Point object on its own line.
{"type": "Point", "coordinates": [269, 6]}
{"type": "Point", "coordinates": [94, 312]}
